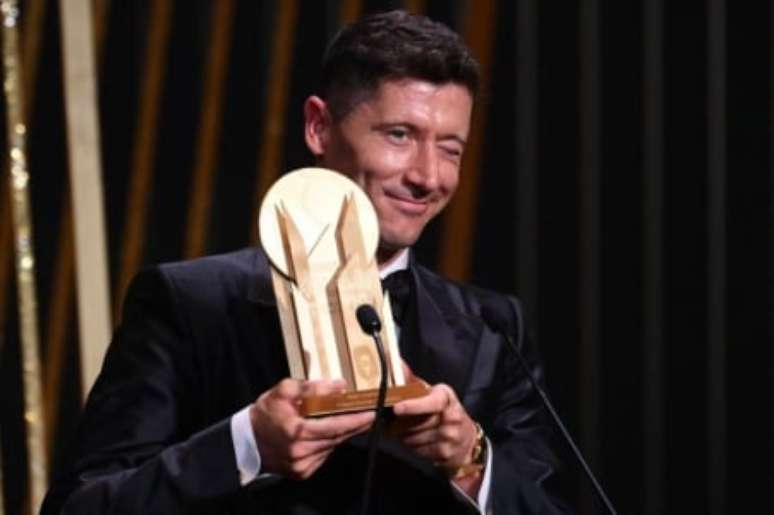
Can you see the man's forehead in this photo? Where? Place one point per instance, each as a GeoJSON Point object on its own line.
{"type": "Point", "coordinates": [395, 85]}
{"type": "Point", "coordinates": [394, 96]}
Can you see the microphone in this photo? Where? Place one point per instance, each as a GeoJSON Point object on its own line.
{"type": "Point", "coordinates": [495, 318]}
{"type": "Point", "coordinates": [371, 324]}
{"type": "Point", "coordinates": [368, 319]}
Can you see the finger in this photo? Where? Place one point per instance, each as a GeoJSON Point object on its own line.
{"type": "Point", "coordinates": [323, 387]}
{"type": "Point", "coordinates": [411, 424]}
{"type": "Point", "coordinates": [287, 389]}
{"type": "Point", "coordinates": [293, 389]}
{"type": "Point", "coordinates": [420, 438]}
{"type": "Point", "coordinates": [438, 453]}
{"type": "Point", "coordinates": [304, 449]}
{"type": "Point", "coordinates": [335, 426]}
{"type": "Point", "coordinates": [439, 398]}
{"type": "Point", "coordinates": [440, 432]}
{"type": "Point", "coordinates": [303, 468]}
{"type": "Point", "coordinates": [349, 434]}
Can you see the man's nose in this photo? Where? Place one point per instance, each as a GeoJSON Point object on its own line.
{"type": "Point", "coordinates": [426, 169]}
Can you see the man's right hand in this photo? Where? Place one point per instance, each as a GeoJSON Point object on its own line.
{"type": "Point", "coordinates": [292, 445]}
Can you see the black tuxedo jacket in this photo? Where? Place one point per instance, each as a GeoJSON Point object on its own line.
{"type": "Point", "coordinates": [199, 340]}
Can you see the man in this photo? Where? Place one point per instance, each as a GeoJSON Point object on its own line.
{"type": "Point", "coordinates": [193, 411]}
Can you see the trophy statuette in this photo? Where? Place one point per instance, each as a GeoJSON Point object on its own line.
{"type": "Point", "coordinates": [320, 233]}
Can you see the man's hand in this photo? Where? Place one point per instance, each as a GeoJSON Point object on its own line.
{"type": "Point", "coordinates": [437, 427]}
{"type": "Point", "coordinates": [294, 446]}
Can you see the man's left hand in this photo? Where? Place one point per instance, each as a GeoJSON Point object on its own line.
{"type": "Point", "coordinates": [437, 427]}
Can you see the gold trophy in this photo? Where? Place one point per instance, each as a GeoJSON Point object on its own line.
{"type": "Point", "coordinates": [320, 233]}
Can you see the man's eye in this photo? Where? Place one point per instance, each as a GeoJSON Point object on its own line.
{"type": "Point", "coordinates": [452, 152]}
{"type": "Point", "coordinates": [397, 134]}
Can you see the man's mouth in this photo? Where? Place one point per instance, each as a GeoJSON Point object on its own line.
{"type": "Point", "coordinates": [408, 204]}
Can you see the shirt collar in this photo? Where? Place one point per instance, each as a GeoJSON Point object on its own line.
{"type": "Point", "coordinates": [401, 262]}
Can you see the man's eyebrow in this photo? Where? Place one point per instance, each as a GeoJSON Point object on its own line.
{"type": "Point", "coordinates": [389, 125]}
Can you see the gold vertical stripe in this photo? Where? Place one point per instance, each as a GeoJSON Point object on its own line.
{"type": "Point", "coordinates": [61, 295]}
{"type": "Point", "coordinates": [5, 251]}
{"type": "Point", "coordinates": [25, 255]}
{"type": "Point", "coordinates": [415, 6]}
{"type": "Point", "coordinates": [33, 18]}
{"type": "Point", "coordinates": [101, 21]}
{"type": "Point", "coordinates": [32, 32]}
{"type": "Point", "coordinates": [6, 248]}
{"type": "Point", "coordinates": [84, 160]}
{"type": "Point", "coordinates": [140, 185]}
{"type": "Point", "coordinates": [350, 11]}
{"type": "Point", "coordinates": [61, 292]}
{"type": "Point", "coordinates": [208, 138]}
{"type": "Point", "coordinates": [270, 151]}
{"type": "Point", "coordinates": [460, 219]}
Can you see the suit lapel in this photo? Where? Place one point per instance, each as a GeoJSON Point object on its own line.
{"type": "Point", "coordinates": [448, 338]}
{"type": "Point", "coordinates": [258, 326]}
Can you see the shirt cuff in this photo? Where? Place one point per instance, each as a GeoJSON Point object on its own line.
{"type": "Point", "coordinates": [486, 481]}
{"type": "Point", "coordinates": [248, 459]}
{"type": "Point", "coordinates": [482, 502]}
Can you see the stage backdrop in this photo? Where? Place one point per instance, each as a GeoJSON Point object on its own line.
{"type": "Point", "coordinates": [618, 179]}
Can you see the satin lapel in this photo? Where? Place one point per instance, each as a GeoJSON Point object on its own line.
{"type": "Point", "coordinates": [257, 324]}
{"type": "Point", "coordinates": [260, 291]}
{"type": "Point", "coordinates": [448, 338]}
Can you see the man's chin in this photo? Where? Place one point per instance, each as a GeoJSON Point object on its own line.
{"type": "Point", "coordinates": [397, 242]}
{"type": "Point", "coordinates": [389, 246]}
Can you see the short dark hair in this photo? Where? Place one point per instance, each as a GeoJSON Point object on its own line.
{"type": "Point", "coordinates": [392, 45]}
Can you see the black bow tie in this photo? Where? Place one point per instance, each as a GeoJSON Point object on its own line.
{"type": "Point", "coordinates": [398, 284]}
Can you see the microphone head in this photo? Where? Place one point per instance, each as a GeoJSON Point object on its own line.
{"type": "Point", "coordinates": [495, 317]}
{"type": "Point", "coordinates": [368, 319]}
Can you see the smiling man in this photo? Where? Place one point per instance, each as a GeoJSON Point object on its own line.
{"type": "Point", "coordinates": [403, 144]}
{"type": "Point", "coordinates": [193, 411]}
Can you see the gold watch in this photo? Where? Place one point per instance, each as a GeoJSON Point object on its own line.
{"type": "Point", "coordinates": [477, 456]}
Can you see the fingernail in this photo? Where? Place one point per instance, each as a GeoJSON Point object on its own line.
{"type": "Point", "coordinates": [339, 383]}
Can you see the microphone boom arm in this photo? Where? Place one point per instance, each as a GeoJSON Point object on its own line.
{"type": "Point", "coordinates": [494, 320]}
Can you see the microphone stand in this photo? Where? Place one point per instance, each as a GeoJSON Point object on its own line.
{"type": "Point", "coordinates": [370, 324]}
{"type": "Point", "coordinates": [554, 415]}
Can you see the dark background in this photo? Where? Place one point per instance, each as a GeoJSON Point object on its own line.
{"type": "Point", "coordinates": [619, 180]}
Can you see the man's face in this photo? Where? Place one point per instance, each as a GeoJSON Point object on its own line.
{"type": "Point", "coordinates": [403, 145]}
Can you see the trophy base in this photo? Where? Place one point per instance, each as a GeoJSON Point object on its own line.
{"type": "Point", "coordinates": [363, 400]}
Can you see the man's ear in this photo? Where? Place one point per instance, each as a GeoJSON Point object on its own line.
{"type": "Point", "coordinates": [317, 125]}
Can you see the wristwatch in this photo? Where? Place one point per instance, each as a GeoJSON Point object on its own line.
{"type": "Point", "coordinates": [477, 456]}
